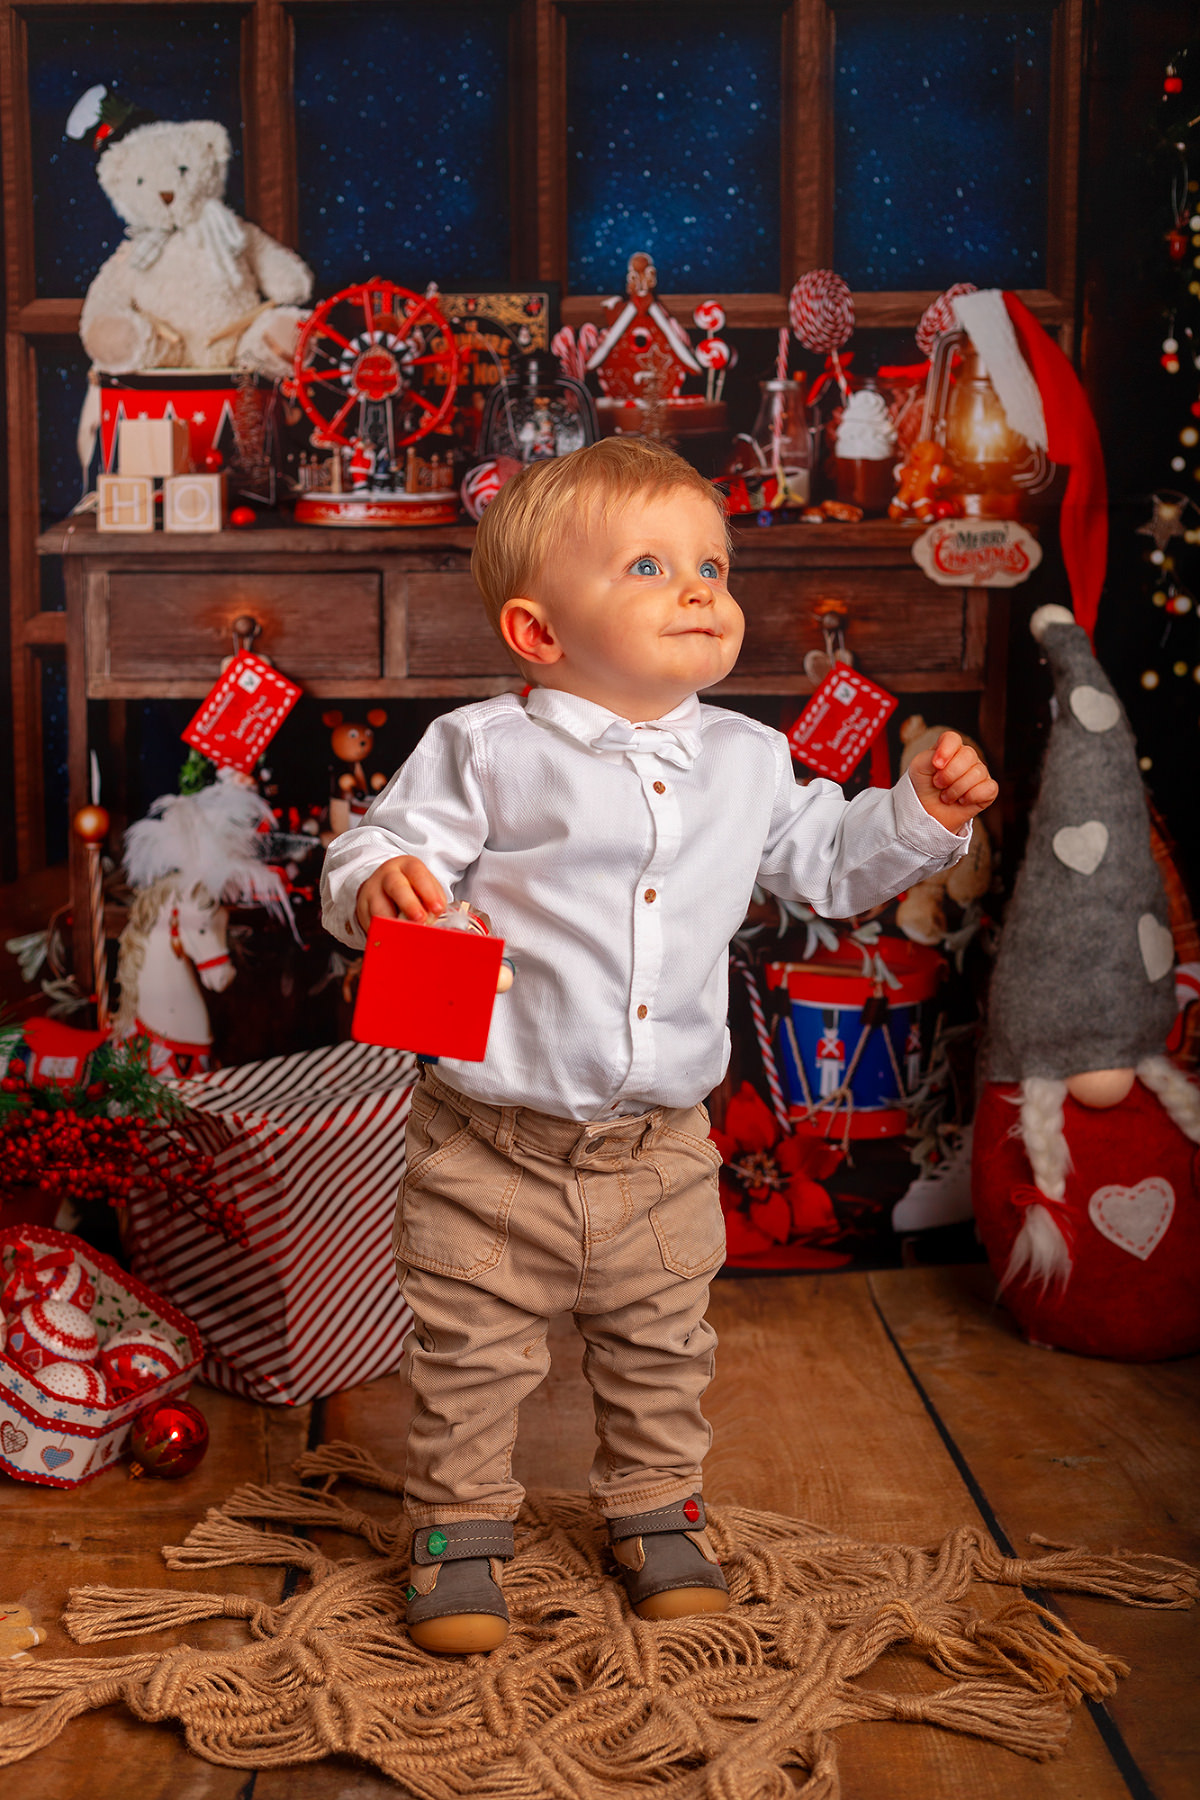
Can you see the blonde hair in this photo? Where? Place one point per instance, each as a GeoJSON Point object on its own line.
{"type": "Point", "coordinates": [531, 514]}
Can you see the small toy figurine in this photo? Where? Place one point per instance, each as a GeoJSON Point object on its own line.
{"type": "Point", "coordinates": [352, 742]}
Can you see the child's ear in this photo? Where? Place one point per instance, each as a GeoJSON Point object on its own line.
{"type": "Point", "coordinates": [528, 633]}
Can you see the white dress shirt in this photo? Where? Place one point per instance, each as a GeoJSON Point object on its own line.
{"type": "Point", "coordinates": [617, 861]}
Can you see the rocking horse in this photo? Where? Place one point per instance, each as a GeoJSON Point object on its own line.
{"type": "Point", "coordinates": [191, 853]}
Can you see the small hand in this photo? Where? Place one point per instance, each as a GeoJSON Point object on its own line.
{"type": "Point", "coordinates": [951, 782]}
{"type": "Point", "coordinates": [401, 888]}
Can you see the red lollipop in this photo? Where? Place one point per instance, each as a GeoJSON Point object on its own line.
{"type": "Point", "coordinates": [821, 311]}
{"type": "Point", "coordinates": [939, 317]}
{"type": "Point", "coordinates": [709, 315]}
{"type": "Point", "coordinates": [713, 353]}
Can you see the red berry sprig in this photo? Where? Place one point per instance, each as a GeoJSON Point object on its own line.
{"type": "Point", "coordinates": [55, 1141]}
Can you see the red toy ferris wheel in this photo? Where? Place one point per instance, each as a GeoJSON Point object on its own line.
{"type": "Point", "coordinates": [376, 368]}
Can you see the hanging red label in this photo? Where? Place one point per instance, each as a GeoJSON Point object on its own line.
{"type": "Point", "coordinates": [840, 723]}
{"type": "Point", "coordinates": [242, 713]}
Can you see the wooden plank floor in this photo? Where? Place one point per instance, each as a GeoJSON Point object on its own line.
{"type": "Point", "coordinates": [894, 1406]}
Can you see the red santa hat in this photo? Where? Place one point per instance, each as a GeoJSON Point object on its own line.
{"type": "Point", "coordinates": [1044, 400]}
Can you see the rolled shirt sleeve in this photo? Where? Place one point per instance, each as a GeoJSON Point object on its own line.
{"type": "Point", "coordinates": [432, 808]}
{"type": "Point", "coordinates": [841, 856]}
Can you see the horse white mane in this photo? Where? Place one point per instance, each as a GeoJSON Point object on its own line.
{"type": "Point", "coordinates": [209, 839]}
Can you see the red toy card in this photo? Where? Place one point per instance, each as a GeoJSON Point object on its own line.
{"type": "Point", "coordinates": [427, 989]}
{"type": "Point", "coordinates": [840, 723]}
{"type": "Point", "coordinates": [242, 712]}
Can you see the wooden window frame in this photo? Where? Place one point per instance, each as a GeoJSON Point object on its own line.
{"type": "Point", "coordinates": [538, 164]}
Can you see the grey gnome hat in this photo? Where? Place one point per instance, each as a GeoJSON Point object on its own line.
{"type": "Point", "coordinates": [1083, 975]}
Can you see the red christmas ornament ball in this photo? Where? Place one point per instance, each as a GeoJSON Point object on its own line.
{"type": "Point", "coordinates": [168, 1440]}
{"type": "Point", "coordinates": [241, 516]}
{"type": "Point", "coordinates": [214, 462]}
{"type": "Point", "coordinates": [136, 1358]}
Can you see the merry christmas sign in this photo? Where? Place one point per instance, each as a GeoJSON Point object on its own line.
{"type": "Point", "coordinates": [977, 552]}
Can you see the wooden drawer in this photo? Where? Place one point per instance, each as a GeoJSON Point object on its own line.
{"type": "Point", "coordinates": [448, 632]}
{"type": "Point", "coordinates": [898, 625]}
{"type": "Point", "coordinates": [897, 622]}
{"type": "Point", "coordinates": [163, 632]}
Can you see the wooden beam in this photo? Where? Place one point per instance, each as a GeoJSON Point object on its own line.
{"type": "Point", "coordinates": [806, 236]}
{"type": "Point", "coordinates": [269, 114]}
{"type": "Point", "coordinates": [1067, 63]}
{"type": "Point", "coordinates": [551, 115]}
{"type": "Point", "coordinates": [45, 628]}
{"type": "Point", "coordinates": [46, 318]}
{"type": "Point", "coordinates": [23, 600]}
{"type": "Point", "coordinates": [768, 311]}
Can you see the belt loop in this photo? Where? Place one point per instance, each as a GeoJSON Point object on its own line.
{"type": "Point", "coordinates": [652, 1132]}
{"type": "Point", "coordinates": [506, 1129]}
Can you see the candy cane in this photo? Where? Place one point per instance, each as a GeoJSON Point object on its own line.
{"type": "Point", "coordinates": [938, 316]}
{"type": "Point", "coordinates": [779, 1104]}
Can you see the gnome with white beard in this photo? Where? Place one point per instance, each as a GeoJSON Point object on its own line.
{"type": "Point", "coordinates": [1087, 1199]}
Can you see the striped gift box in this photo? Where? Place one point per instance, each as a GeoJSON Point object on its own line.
{"type": "Point", "coordinates": [311, 1147]}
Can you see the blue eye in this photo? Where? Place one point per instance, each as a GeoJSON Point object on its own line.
{"type": "Point", "coordinates": [710, 571]}
{"type": "Point", "coordinates": [646, 565]}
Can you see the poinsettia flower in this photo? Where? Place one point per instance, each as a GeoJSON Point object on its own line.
{"type": "Point", "coordinates": [773, 1181]}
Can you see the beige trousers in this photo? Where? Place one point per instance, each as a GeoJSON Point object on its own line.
{"type": "Point", "coordinates": [507, 1218]}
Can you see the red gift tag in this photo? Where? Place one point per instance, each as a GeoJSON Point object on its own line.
{"type": "Point", "coordinates": [840, 722]}
{"type": "Point", "coordinates": [427, 989]}
{"type": "Point", "coordinates": [242, 713]}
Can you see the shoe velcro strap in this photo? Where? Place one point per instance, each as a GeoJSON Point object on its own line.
{"type": "Point", "coordinates": [688, 1515]}
{"type": "Point", "coordinates": [463, 1538]}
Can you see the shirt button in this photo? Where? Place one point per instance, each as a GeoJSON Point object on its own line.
{"type": "Point", "coordinates": [649, 895]}
{"type": "Point", "coordinates": [642, 1011]}
{"type": "Point", "coordinates": [660, 787]}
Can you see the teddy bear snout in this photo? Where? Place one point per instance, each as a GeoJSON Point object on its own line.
{"type": "Point", "coordinates": [166, 196]}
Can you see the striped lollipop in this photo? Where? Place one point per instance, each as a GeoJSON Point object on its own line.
{"type": "Point", "coordinates": [939, 316]}
{"type": "Point", "coordinates": [821, 311]}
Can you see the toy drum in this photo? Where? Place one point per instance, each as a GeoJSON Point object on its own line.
{"type": "Point", "coordinates": [220, 407]}
{"type": "Point", "coordinates": [850, 1045]}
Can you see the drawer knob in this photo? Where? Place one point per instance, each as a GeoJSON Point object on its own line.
{"type": "Point", "coordinates": [244, 630]}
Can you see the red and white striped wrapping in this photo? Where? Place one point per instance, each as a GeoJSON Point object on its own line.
{"type": "Point", "coordinates": [311, 1147]}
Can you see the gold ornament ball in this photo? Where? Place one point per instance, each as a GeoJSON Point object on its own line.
{"type": "Point", "coordinates": [1189, 436]}
{"type": "Point", "coordinates": [1145, 763]}
{"type": "Point", "coordinates": [91, 823]}
{"type": "Point", "coordinates": [1179, 668]}
{"type": "Point", "coordinates": [1150, 678]}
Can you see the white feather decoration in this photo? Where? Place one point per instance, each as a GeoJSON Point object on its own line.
{"type": "Point", "coordinates": [210, 839]}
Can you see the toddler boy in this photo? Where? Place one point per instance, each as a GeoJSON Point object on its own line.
{"type": "Point", "coordinates": [612, 828]}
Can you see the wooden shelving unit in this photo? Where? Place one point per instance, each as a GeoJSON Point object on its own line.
{"type": "Point", "coordinates": [538, 185]}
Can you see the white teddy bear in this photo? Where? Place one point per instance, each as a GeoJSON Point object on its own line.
{"type": "Point", "coordinates": [192, 286]}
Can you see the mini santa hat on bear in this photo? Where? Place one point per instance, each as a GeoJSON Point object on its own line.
{"type": "Point", "coordinates": [101, 118]}
{"type": "Point", "coordinates": [1044, 401]}
{"type": "Point", "coordinates": [1082, 996]}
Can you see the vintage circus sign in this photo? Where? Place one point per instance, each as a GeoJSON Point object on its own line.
{"type": "Point", "coordinates": [977, 552]}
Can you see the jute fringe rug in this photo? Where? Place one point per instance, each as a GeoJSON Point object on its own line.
{"type": "Point", "coordinates": [584, 1700]}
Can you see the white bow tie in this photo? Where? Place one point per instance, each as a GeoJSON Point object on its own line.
{"type": "Point", "coordinates": [669, 743]}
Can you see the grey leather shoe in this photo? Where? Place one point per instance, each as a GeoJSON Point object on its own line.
{"type": "Point", "coordinates": [668, 1564]}
{"type": "Point", "coordinates": [455, 1601]}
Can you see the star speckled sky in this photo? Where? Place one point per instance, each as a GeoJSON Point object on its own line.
{"type": "Point", "coordinates": [673, 147]}
{"type": "Point", "coordinates": [940, 143]}
{"type": "Point", "coordinates": [402, 144]}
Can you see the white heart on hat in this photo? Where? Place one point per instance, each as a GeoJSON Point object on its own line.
{"type": "Point", "coordinates": [1095, 710]}
{"type": "Point", "coordinates": [1156, 945]}
{"type": "Point", "coordinates": [1082, 847]}
{"type": "Point", "coordinates": [1134, 1218]}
